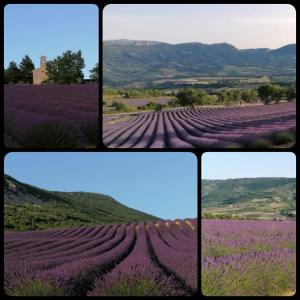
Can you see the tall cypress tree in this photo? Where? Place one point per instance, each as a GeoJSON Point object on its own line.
{"type": "Point", "coordinates": [13, 73]}
{"type": "Point", "coordinates": [26, 66]}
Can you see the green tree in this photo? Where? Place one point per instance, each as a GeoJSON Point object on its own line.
{"type": "Point", "coordinates": [236, 96]}
{"type": "Point", "coordinates": [155, 106]}
{"type": "Point", "coordinates": [66, 69]}
{"type": "Point", "coordinates": [223, 97]}
{"type": "Point", "coordinates": [209, 100]}
{"type": "Point", "coordinates": [158, 107]}
{"type": "Point", "coordinates": [13, 73]}
{"type": "Point", "coordinates": [190, 97]}
{"type": "Point", "coordinates": [228, 97]}
{"type": "Point", "coordinates": [26, 66]}
{"type": "Point", "coordinates": [277, 93]}
{"type": "Point", "coordinates": [95, 73]}
{"type": "Point", "coordinates": [265, 92]}
{"type": "Point", "coordinates": [249, 95]}
{"type": "Point", "coordinates": [290, 93]}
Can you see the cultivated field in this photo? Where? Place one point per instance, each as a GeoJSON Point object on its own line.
{"type": "Point", "coordinates": [248, 258]}
{"type": "Point", "coordinates": [262, 208]}
{"type": "Point", "coordinates": [153, 258]}
{"type": "Point", "coordinates": [222, 127]}
{"type": "Point", "coordinates": [51, 116]}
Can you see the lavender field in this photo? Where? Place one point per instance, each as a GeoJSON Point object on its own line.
{"type": "Point", "coordinates": [51, 116]}
{"type": "Point", "coordinates": [153, 258]}
{"type": "Point", "coordinates": [216, 127]}
{"type": "Point", "coordinates": [248, 258]}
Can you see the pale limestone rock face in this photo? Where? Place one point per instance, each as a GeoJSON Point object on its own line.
{"type": "Point", "coordinates": [11, 185]}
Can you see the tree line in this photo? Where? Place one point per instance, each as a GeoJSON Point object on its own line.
{"type": "Point", "coordinates": [267, 93]}
{"type": "Point", "coordinates": [191, 97]}
{"type": "Point", "coordinates": [224, 216]}
{"type": "Point", "coordinates": [64, 69]}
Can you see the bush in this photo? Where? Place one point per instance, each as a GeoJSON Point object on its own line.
{"type": "Point", "coordinates": [9, 226]}
{"type": "Point", "coordinates": [133, 286]}
{"type": "Point", "coordinates": [159, 107]}
{"type": "Point", "coordinates": [277, 93]}
{"type": "Point", "coordinates": [249, 95]}
{"type": "Point", "coordinates": [290, 93]}
{"type": "Point", "coordinates": [268, 92]}
{"type": "Point", "coordinates": [228, 97]}
{"type": "Point", "coordinates": [208, 100]}
{"type": "Point", "coordinates": [120, 106]}
{"type": "Point", "coordinates": [190, 96]}
{"type": "Point", "coordinates": [154, 106]}
{"type": "Point", "coordinates": [37, 287]}
{"type": "Point", "coordinates": [282, 138]}
{"type": "Point", "coordinates": [173, 103]}
{"type": "Point", "coordinates": [261, 143]}
{"type": "Point", "coordinates": [139, 279]}
{"type": "Point", "coordinates": [52, 135]}
{"type": "Point", "coordinates": [265, 92]}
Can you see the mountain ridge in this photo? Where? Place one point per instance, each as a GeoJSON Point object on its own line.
{"type": "Point", "coordinates": [142, 63]}
{"type": "Point", "coordinates": [152, 42]}
{"type": "Point", "coordinates": [27, 207]}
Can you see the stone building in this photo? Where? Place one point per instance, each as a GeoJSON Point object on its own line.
{"type": "Point", "coordinates": [39, 75]}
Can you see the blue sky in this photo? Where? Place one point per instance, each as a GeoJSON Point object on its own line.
{"type": "Point", "coordinates": [41, 29]}
{"type": "Point", "coordinates": [162, 184]}
{"type": "Point", "coordinates": [224, 165]}
{"type": "Point", "coordinates": [243, 25]}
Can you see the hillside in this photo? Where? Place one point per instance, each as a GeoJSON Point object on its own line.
{"type": "Point", "coordinates": [128, 61]}
{"type": "Point", "coordinates": [28, 208]}
{"type": "Point", "coordinates": [262, 198]}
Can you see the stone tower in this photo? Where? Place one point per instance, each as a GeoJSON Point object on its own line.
{"type": "Point", "coordinates": [43, 61]}
{"type": "Point", "coordinates": [39, 75]}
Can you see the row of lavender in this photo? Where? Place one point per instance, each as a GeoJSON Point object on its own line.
{"type": "Point", "coordinates": [48, 116]}
{"type": "Point", "coordinates": [136, 259]}
{"type": "Point", "coordinates": [249, 126]}
{"type": "Point", "coordinates": [253, 258]}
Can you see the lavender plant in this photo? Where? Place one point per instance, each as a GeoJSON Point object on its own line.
{"type": "Point", "coordinates": [248, 258]}
{"type": "Point", "coordinates": [126, 259]}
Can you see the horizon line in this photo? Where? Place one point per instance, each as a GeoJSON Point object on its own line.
{"type": "Point", "coordinates": [193, 42]}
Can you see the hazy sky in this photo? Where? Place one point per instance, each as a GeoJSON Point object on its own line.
{"type": "Point", "coordinates": [242, 25]}
{"type": "Point", "coordinates": [162, 184]}
{"type": "Point", "coordinates": [224, 165]}
{"type": "Point", "coordinates": [50, 30]}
